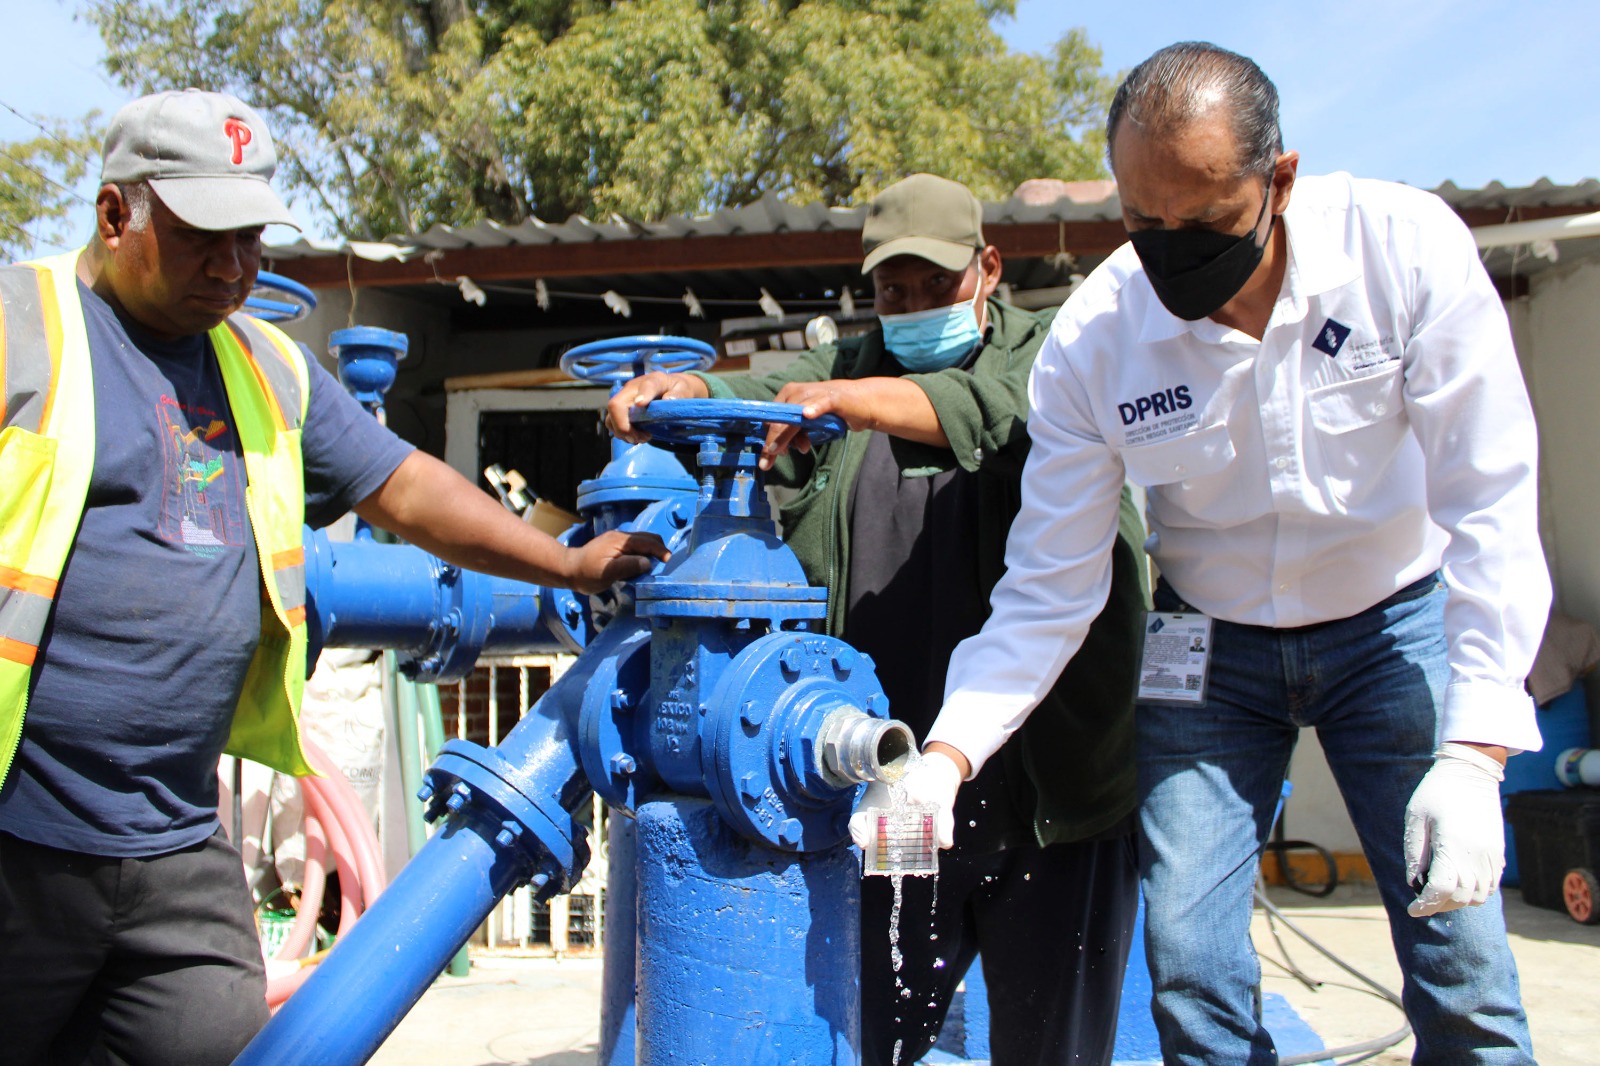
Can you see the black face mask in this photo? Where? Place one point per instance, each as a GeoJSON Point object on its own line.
{"type": "Point", "coordinates": [1196, 271]}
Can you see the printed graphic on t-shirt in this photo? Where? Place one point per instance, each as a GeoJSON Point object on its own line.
{"type": "Point", "coordinates": [202, 504]}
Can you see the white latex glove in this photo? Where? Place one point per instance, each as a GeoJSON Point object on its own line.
{"type": "Point", "coordinates": [1454, 831]}
{"type": "Point", "coordinates": [932, 781]}
{"type": "Point", "coordinates": [873, 800]}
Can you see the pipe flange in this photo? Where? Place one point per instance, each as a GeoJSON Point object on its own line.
{"type": "Point", "coordinates": [608, 731]}
{"type": "Point", "coordinates": [457, 640]}
{"type": "Point", "coordinates": [475, 784]}
{"type": "Point", "coordinates": [765, 733]}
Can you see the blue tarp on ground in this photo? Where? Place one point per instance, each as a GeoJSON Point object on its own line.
{"type": "Point", "coordinates": [965, 1036]}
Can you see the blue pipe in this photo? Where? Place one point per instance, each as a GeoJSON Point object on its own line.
{"type": "Point", "coordinates": [362, 594]}
{"type": "Point", "coordinates": [404, 941]}
{"type": "Point", "coordinates": [502, 831]}
{"type": "Point", "coordinates": [621, 942]}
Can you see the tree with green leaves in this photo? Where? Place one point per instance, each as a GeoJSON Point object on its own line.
{"type": "Point", "coordinates": [394, 115]}
{"type": "Point", "coordinates": [37, 204]}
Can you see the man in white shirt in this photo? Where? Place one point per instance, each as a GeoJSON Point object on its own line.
{"type": "Point", "coordinates": [1321, 397]}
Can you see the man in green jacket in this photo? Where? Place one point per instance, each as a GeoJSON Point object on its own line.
{"type": "Point", "coordinates": [904, 521]}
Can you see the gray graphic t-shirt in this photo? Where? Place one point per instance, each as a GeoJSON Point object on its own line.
{"type": "Point", "coordinates": [159, 606]}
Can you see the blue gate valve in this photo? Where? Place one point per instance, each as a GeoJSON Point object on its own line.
{"type": "Point", "coordinates": [709, 690]}
{"type": "Point", "coordinates": [747, 704]}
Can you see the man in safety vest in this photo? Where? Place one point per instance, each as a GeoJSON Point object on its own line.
{"type": "Point", "coordinates": [159, 456]}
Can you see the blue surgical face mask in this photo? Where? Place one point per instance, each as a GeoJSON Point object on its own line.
{"type": "Point", "coordinates": [936, 339]}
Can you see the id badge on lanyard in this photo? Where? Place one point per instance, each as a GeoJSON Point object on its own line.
{"type": "Point", "coordinates": [1176, 659]}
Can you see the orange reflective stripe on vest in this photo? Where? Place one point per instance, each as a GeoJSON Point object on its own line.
{"type": "Point", "coordinates": [24, 609]}
{"type": "Point", "coordinates": [289, 568]}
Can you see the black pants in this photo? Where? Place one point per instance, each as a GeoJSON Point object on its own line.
{"type": "Point", "coordinates": [149, 960]}
{"type": "Point", "coordinates": [1054, 926]}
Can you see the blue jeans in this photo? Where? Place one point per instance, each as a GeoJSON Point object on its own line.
{"type": "Point", "coordinates": [1209, 779]}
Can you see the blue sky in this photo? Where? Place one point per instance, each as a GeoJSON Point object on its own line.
{"type": "Point", "coordinates": [1419, 91]}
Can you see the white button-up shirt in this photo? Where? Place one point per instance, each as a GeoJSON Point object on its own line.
{"type": "Point", "coordinates": [1378, 430]}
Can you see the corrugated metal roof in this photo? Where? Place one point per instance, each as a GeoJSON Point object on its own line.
{"type": "Point", "coordinates": [1040, 201]}
{"type": "Point", "coordinates": [1542, 193]}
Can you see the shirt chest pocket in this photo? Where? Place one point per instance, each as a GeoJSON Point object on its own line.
{"type": "Point", "coordinates": [1192, 455]}
{"type": "Point", "coordinates": [1358, 435]}
{"type": "Point", "coordinates": [1348, 405]}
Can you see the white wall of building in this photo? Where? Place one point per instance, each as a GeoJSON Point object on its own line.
{"type": "Point", "coordinates": [1563, 332]}
{"type": "Point", "coordinates": [418, 415]}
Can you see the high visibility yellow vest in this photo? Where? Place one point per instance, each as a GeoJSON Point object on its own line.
{"type": "Point", "coordinates": [47, 449]}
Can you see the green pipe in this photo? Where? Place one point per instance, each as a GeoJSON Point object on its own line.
{"type": "Point", "coordinates": [433, 737]}
{"type": "Point", "coordinates": [432, 719]}
{"type": "Point", "coordinates": [405, 720]}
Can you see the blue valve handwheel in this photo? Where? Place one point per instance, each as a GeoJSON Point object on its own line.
{"type": "Point", "coordinates": [698, 421]}
{"type": "Point", "coordinates": [279, 299]}
{"type": "Point", "coordinates": [618, 359]}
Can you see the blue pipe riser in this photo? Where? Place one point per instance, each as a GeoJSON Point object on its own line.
{"type": "Point", "coordinates": [747, 956]}
{"type": "Point", "coordinates": [381, 967]}
{"type": "Point", "coordinates": [621, 942]}
{"type": "Point", "coordinates": [368, 360]}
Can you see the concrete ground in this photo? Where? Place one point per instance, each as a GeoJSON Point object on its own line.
{"type": "Point", "coordinates": [1558, 961]}
{"type": "Point", "coordinates": [546, 1012]}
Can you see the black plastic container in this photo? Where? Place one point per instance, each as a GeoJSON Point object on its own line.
{"type": "Point", "coordinates": [1558, 849]}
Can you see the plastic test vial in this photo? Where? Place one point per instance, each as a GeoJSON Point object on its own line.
{"type": "Point", "coordinates": [902, 844]}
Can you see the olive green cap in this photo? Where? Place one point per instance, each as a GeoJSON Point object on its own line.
{"type": "Point", "coordinates": [924, 215]}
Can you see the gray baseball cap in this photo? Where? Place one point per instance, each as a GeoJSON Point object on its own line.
{"type": "Point", "coordinates": [208, 156]}
{"type": "Point", "coordinates": [927, 216]}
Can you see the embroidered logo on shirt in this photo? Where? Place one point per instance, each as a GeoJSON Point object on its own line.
{"type": "Point", "coordinates": [1164, 402]}
{"type": "Point", "coordinates": [1163, 413]}
{"type": "Point", "coordinates": [1331, 337]}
